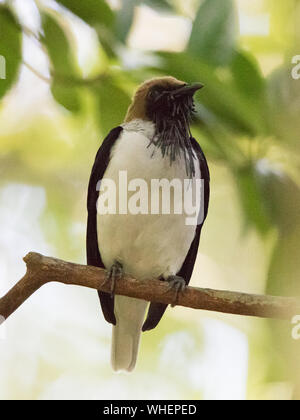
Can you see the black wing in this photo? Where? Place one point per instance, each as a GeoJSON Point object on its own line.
{"type": "Point", "coordinates": [156, 310]}
{"type": "Point", "coordinates": [92, 248]}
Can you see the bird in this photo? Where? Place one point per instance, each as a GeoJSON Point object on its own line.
{"type": "Point", "coordinates": [153, 142]}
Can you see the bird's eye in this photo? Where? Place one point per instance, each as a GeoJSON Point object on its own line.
{"type": "Point", "coordinates": [154, 93]}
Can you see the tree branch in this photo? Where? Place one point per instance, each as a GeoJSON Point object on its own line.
{"type": "Point", "coordinates": [42, 270]}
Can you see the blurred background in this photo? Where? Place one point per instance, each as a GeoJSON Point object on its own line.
{"type": "Point", "coordinates": [71, 68]}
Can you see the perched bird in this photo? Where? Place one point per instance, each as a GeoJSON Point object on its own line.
{"type": "Point", "coordinates": [153, 142]}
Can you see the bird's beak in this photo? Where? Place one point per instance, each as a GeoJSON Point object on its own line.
{"type": "Point", "coordinates": [188, 89]}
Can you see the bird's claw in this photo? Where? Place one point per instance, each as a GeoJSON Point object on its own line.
{"type": "Point", "coordinates": [177, 284]}
{"type": "Point", "coordinates": [113, 274]}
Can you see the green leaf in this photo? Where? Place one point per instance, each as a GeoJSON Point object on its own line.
{"type": "Point", "coordinates": [124, 19]}
{"type": "Point", "coordinates": [64, 64]}
{"type": "Point", "coordinates": [10, 50]}
{"type": "Point", "coordinates": [214, 32]}
{"type": "Point", "coordinates": [67, 95]}
{"type": "Point", "coordinates": [252, 200]}
{"type": "Point", "coordinates": [92, 12]}
{"type": "Point", "coordinates": [247, 76]}
{"type": "Point", "coordinates": [97, 14]}
{"type": "Point", "coordinates": [58, 46]}
{"type": "Point", "coordinates": [112, 105]}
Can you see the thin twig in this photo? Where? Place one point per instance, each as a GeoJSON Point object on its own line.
{"type": "Point", "coordinates": [67, 79]}
{"type": "Point", "coordinates": [37, 73]}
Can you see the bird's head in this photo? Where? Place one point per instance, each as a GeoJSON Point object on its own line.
{"type": "Point", "coordinates": [168, 103]}
{"type": "Point", "coordinates": [162, 98]}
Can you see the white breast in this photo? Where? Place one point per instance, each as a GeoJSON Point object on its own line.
{"type": "Point", "coordinates": [148, 245]}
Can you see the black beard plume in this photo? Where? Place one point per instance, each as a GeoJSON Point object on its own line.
{"type": "Point", "coordinates": [172, 117]}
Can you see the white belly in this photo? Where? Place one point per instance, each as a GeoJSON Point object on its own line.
{"type": "Point", "coordinates": [147, 245]}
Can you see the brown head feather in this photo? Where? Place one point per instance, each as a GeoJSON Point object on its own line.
{"type": "Point", "coordinates": [137, 109]}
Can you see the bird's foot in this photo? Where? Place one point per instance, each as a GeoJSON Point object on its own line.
{"type": "Point", "coordinates": [177, 284]}
{"type": "Point", "coordinates": [113, 274]}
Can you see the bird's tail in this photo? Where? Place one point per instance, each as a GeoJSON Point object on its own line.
{"type": "Point", "coordinates": [130, 314]}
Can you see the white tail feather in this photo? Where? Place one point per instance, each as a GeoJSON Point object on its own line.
{"type": "Point", "coordinates": [130, 314]}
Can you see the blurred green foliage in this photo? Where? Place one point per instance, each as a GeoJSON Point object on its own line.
{"type": "Point", "coordinates": [10, 48]}
{"type": "Point", "coordinates": [63, 62]}
{"type": "Point", "coordinates": [245, 120]}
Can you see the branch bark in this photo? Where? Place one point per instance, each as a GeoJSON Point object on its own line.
{"type": "Point", "coordinates": [42, 270]}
